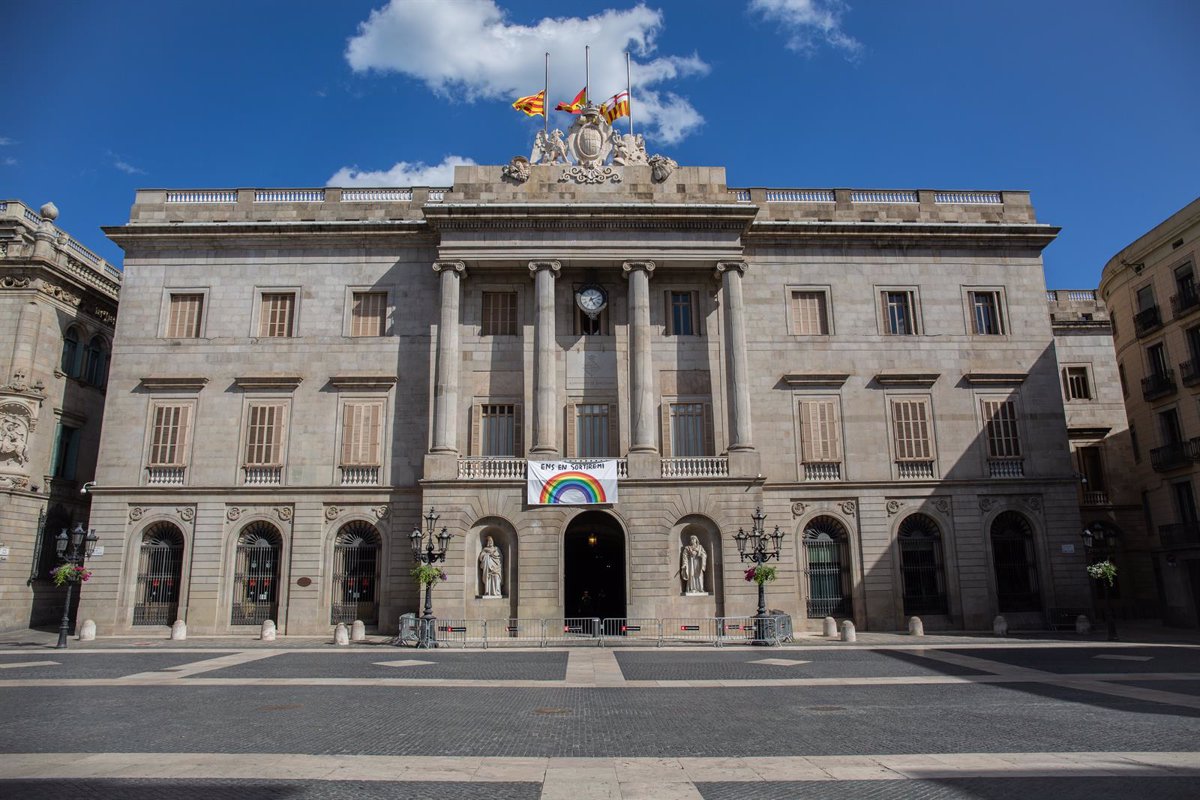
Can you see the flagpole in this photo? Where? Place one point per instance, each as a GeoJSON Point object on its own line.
{"type": "Point", "coordinates": [629, 91]}
{"type": "Point", "coordinates": [587, 74]}
{"type": "Point", "coordinates": [546, 98]}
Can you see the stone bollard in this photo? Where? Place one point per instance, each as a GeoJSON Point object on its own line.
{"type": "Point", "coordinates": [341, 636]}
{"type": "Point", "coordinates": [179, 631]}
{"type": "Point", "coordinates": [848, 632]}
{"type": "Point", "coordinates": [1000, 625]}
{"type": "Point", "coordinates": [268, 630]}
{"type": "Point", "coordinates": [1083, 624]}
{"type": "Point", "coordinates": [830, 627]}
{"type": "Point", "coordinates": [87, 631]}
{"type": "Point", "coordinates": [916, 627]}
{"type": "Point", "coordinates": [358, 631]}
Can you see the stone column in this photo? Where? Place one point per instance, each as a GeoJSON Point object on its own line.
{"type": "Point", "coordinates": [730, 273]}
{"type": "Point", "coordinates": [642, 408]}
{"type": "Point", "coordinates": [445, 387]}
{"type": "Point", "coordinates": [545, 346]}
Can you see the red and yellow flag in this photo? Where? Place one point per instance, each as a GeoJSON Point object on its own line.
{"type": "Point", "coordinates": [534, 105]}
{"type": "Point", "coordinates": [576, 105]}
{"type": "Point", "coordinates": [615, 107]}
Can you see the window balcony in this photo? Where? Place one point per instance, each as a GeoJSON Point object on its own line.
{"type": "Point", "coordinates": [1158, 384]}
{"type": "Point", "coordinates": [822, 470]}
{"type": "Point", "coordinates": [1187, 301]}
{"type": "Point", "coordinates": [1147, 320]}
{"type": "Point", "coordinates": [1189, 372]}
{"type": "Point", "coordinates": [1006, 467]}
{"type": "Point", "coordinates": [1095, 498]}
{"type": "Point", "coordinates": [909, 470]}
{"type": "Point", "coordinates": [360, 475]}
{"type": "Point", "coordinates": [1174, 455]}
{"type": "Point", "coordinates": [696, 467]}
{"type": "Point", "coordinates": [159, 475]}
{"type": "Point", "coordinates": [1180, 534]}
{"type": "Point", "coordinates": [258, 475]}
{"type": "Point", "coordinates": [491, 468]}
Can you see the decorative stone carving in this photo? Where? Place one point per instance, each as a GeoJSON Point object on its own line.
{"type": "Point", "coordinates": [14, 282]}
{"type": "Point", "coordinates": [13, 482]}
{"type": "Point", "coordinates": [849, 507]}
{"type": "Point", "coordinates": [380, 512]}
{"type": "Point", "coordinates": [59, 293]}
{"type": "Point", "coordinates": [186, 513]}
{"type": "Point", "coordinates": [491, 569]}
{"type": "Point", "coordinates": [518, 169]}
{"type": "Point", "coordinates": [331, 512]}
{"type": "Point", "coordinates": [580, 174]}
{"type": "Point", "coordinates": [661, 167]}
{"type": "Point", "coordinates": [629, 149]}
{"type": "Point", "coordinates": [284, 513]}
{"type": "Point", "coordinates": [136, 513]}
{"type": "Point", "coordinates": [986, 503]}
{"type": "Point", "coordinates": [589, 140]}
{"type": "Point", "coordinates": [16, 421]}
{"type": "Point", "coordinates": [693, 560]}
{"type": "Point", "coordinates": [233, 513]}
{"type": "Point", "coordinates": [104, 315]}
{"type": "Point", "coordinates": [798, 509]}
{"type": "Point", "coordinates": [942, 505]}
{"type": "Point", "coordinates": [20, 383]}
{"type": "Point", "coordinates": [1034, 503]}
{"type": "Point", "coordinates": [893, 506]}
{"type": "Point", "coordinates": [549, 148]}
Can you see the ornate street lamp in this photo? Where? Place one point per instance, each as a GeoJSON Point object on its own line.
{"type": "Point", "coordinates": [1099, 541]}
{"type": "Point", "coordinates": [72, 549]}
{"type": "Point", "coordinates": [425, 552]}
{"type": "Point", "coordinates": [759, 547]}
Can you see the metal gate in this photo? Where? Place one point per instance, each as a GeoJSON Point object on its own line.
{"type": "Point", "coordinates": [256, 575]}
{"type": "Point", "coordinates": [160, 566]}
{"type": "Point", "coordinates": [356, 575]}
{"type": "Point", "coordinates": [921, 565]}
{"type": "Point", "coordinates": [1016, 567]}
{"type": "Point", "coordinates": [827, 569]}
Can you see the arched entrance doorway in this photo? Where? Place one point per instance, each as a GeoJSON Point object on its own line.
{"type": "Point", "coordinates": [594, 567]}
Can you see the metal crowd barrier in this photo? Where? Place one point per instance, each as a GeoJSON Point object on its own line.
{"type": "Point", "coordinates": [623, 629]}
{"type": "Point", "coordinates": [560, 631]}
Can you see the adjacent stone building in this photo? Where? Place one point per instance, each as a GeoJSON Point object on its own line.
{"type": "Point", "coordinates": [58, 305]}
{"type": "Point", "coordinates": [301, 374]}
{"type": "Point", "coordinates": [1150, 290]}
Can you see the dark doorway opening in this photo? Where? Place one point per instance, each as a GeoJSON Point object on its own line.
{"type": "Point", "coordinates": [594, 567]}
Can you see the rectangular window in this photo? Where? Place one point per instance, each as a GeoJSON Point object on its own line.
{"type": "Point", "coordinates": [1124, 381]}
{"type": "Point", "coordinates": [985, 314]}
{"type": "Point", "coordinates": [1091, 465]}
{"type": "Point", "coordinates": [264, 435]}
{"type": "Point", "coordinates": [1185, 281]}
{"type": "Point", "coordinates": [1156, 358]}
{"type": "Point", "coordinates": [1076, 385]}
{"type": "Point", "coordinates": [498, 430]}
{"type": "Point", "coordinates": [66, 452]}
{"type": "Point", "coordinates": [592, 430]}
{"type": "Point", "coordinates": [1168, 426]}
{"type": "Point", "coordinates": [687, 430]}
{"type": "Point", "coordinates": [183, 319]}
{"type": "Point", "coordinates": [276, 315]}
{"type": "Point", "coordinates": [1145, 298]}
{"type": "Point", "coordinates": [1185, 501]}
{"type": "Point", "coordinates": [910, 426]}
{"type": "Point", "coordinates": [820, 432]}
{"type": "Point", "coordinates": [681, 314]}
{"type": "Point", "coordinates": [1192, 335]}
{"type": "Point", "coordinates": [809, 314]}
{"type": "Point", "coordinates": [170, 434]}
{"type": "Point", "coordinates": [499, 314]}
{"type": "Point", "coordinates": [362, 423]}
{"type": "Point", "coordinates": [898, 317]}
{"type": "Point", "coordinates": [1133, 445]}
{"type": "Point", "coordinates": [368, 314]}
{"type": "Point", "coordinates": [1000, 419]}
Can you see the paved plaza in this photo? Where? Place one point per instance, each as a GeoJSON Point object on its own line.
{"type": "Point", "coordinates": [890, 717]}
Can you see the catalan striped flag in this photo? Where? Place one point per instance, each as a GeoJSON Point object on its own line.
{"type": "Point", "coordinates": [534, 105]}
{"type": "Point", "coordinates": [615, 107]}
{"type": "Point", "coordinates": [576, 105]}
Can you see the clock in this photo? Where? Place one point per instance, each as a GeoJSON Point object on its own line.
{"type": "Point", "coordinates": [591, 300]}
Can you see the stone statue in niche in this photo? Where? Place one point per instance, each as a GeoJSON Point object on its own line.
{"type": "Point", "coordinates": [693, 560]}
{"type": "Point", "coordinates": [491, 568]}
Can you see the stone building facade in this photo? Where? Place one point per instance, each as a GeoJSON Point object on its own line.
{"type": "Point", "coordinates": [300, 375]}
{"type": "Point", "coordinates": [1150, 291]}
{"type": "Point", "coordinates": [58, 306]}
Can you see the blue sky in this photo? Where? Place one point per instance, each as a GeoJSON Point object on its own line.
{"type": "Point", "coordinates": [1092, 106]}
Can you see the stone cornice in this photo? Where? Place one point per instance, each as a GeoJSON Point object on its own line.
{"type": "Point", "coordinates": [830, 380]}
{"type": "Point", "coordinates": [974, 234]}
{"type": "Point", "coordinates": [994, 378]}
{"type": "Point", "coordinates": [286, 382]}
{"type": "Point", "coordinates": [159, 383]}
{"type": "Point", "coordinates": [907, 379]}
{"type": "Point", "coordinates": [579, 216]}
{"type": "Point", "coordinates": [1097, 432]}
{"type": "Point", "coordinates": [362, 381]}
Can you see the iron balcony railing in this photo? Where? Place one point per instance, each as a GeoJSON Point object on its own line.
{"type": "Point", "coordinates": [1158, 384]}
{"type": "Point", "coordinates": [1189, 372]}
{"type": "Point", "coordinates": [1146, 320]}
{"type": "Point", "coordinates": [1180, 534]}
{"type": "Point", "coordinates": [1187, 301]}
{"type": "Point", "coordinates": [1175, 455]}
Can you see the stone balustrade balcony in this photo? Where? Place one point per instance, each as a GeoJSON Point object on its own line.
{"type": "Point", "coordinates": [1006, 467]}
{"type": "Point", "coordinates": [259, 475]}
{"type": "Point", "coordinates": [914, 470]}
{"type": "Point", "coordinates": [822, 470]}
{"type": "Point", "coordinates": [360, 475]}
{"type": "Point", "coordinates": [159, 475]}
{"type": "Point", "coordinates": [1095, 498]}
{"type": "Point", "coordinates": [696, 467]}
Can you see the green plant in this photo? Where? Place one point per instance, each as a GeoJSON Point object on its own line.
{"type": "Point", "coordinates": [69, 573]}
{"type": "Point", "coordinates": [1103, 571]}
{"type": "Point", "coordinates": [428, 574]}
{"type": "Point", "coordinates": [760, 574]}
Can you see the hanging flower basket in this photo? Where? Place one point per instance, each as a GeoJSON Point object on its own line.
{"type": "Point", "coordinates": [428, 575]}
{"type": "Point", "coordinates": [69, 573]}
{"type": "Point", "coordinates": [760, 574]}
{"type": "Point", "coordinates": [1103, 571]}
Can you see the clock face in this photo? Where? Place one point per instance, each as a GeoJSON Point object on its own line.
{"type": "Point", "coordinates": [592, 298]}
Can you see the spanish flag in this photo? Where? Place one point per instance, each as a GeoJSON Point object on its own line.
{"type": "Point", "coordinates": [576, 105]}
{"type": "Point", "coordinates": [534, 105]}
{"type": "Point", "coordinates": [615, 107]}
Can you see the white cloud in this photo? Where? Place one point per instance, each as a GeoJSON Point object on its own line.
{"type": "Point", "coordinates": [468, 50]}
{"type": "Point", "coordinates": [5, 141]}
{"type": "Point", "coordinates": [9, 161]}
{"type": "Point", "coordinates": [124, 166]}
{"type": "Point", "coordinates": [403, 173]}
{"type": "Point", "coordinates": [808, 22]}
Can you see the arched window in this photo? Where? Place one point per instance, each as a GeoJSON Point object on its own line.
{"type": "Point", "coordinates": [160, 567]}
{"type": "Point", "coordinates": [356, 574]}
{"type": "Point", "coordinates": [1015, 563]}
{"type": "Point", "coordinates": [921, 565]}
{"type": "Point", "coordinates": [70, 353]}
{"type": "Point", "coordinates": [256, 575]}
{"type": "Point", "coordinates": [95, 362]}
{"type": "Point", "coordinates": [827, 568]}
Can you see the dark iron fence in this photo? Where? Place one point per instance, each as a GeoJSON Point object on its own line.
{"type": "Point", "coordinates": [160, 566]}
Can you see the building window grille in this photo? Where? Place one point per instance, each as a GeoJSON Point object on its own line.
{"type": "Point", "coordinates": [1000, 419]}
{"type": "Point", "coordinates": [160, 568]}
{"type": "Point", "coordinates": [264, 435]}
{"type": "Point", "coordinates": [256, 575]}
{"type": "Point", "coordinates": [499, 314]}
{"type": "Point", "coordinates": [985, 307]}
{"type": "Point", "coordinates": [1076, 385]}
{"type": "Point", "coordinates": [361, 427]}
{"type": "Point", "coordinates": [184, 314]}
{"type": "Point", "coordinates": [356, 574]}
{"type": "Point", "coordinates": [368, 314]}
{"type": "Point", "coordinates": [921, 566]}
{"type": "Point", "coordinates": [810, 313]}
{"type": "Point", "coordinates": [827, 569]}
{"type": "Point", "coordinates": [1015, 563]}
{"type": "Point", "coordinates": [898, 318]}
{"type": "Point", "coordinates": [498, 428]}
{"type": "Point", "coordinates": [69, 365]}
{"type": "Point", "coordinates": [687, 430]}
{"type": "Point", "coordinates": [681, 314]}
{"type": "Point", "coordinates": [592, 430]}
{"type": "Point", "coordinates": [277, 315]}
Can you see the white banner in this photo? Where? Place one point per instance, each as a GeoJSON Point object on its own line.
{"type": "Point", "coordinates": [572, 483]}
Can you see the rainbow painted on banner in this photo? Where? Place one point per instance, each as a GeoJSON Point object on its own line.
{"type": "Point", "coordinates": [572, 487]}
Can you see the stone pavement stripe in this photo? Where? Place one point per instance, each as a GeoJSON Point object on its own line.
{"type": "Point", "coordinates": [206, 665]}
{"type": "Point", "coordinates": [16, 664]}
{"type": "Point", "coordinates": [593, 667]}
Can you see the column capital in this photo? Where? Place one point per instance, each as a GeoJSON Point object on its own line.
{"type": "Point", "coordinates": [739, 267]}
{"type": "Point", "coordinates": [537, 266]}
{"type": "Point", "coordinates": [455, 266]}
{"type": "Point", "coordinates": [630, 266]}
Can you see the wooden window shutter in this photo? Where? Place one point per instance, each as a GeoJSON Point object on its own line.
{"type": "Point", "coordinates": [710, 433]}
{"type": "Point", "coordinates": [518, 430]}
{"type": "Point", "coordinates": [614, 431]}
{"type": "Point", "coordinates": [570, 429]}
{"type": "Point", "coordinates": [184, 437]}
{"type": "Point", "coordinates": [666, 430]}
{"type": "Point", "coordinates": [820, 436]}
{"type": "Point", "coordinates": [349, 411]}
{"type": "Point", "coordinates": [476, 443]}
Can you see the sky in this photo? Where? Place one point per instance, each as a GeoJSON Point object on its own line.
{"type": "Point", "coordinates": [1091, 106]}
